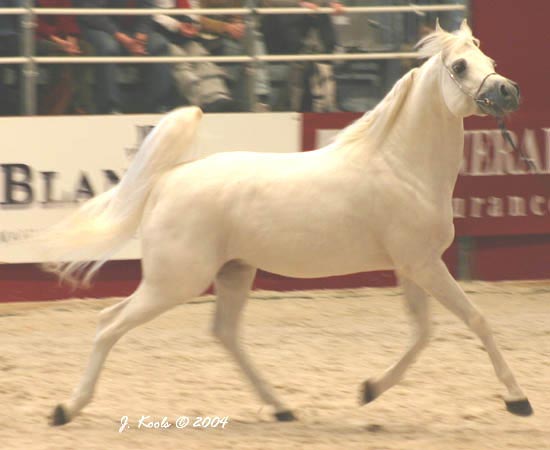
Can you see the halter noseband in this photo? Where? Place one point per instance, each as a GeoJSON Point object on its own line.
{"type": "Point", "coordinates": [479, 100]}
{"type": "Point", "coordinates": [484, 101]}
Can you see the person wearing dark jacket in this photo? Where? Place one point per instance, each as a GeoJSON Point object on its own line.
{"type": "Point", "coordinates": [286, 33]}
{"type": "Point", "coordinates": [9, 27]}
{"type": "Point", "coordinates": [9, 46]}
{"type": "Point", "coordinates": [70, 87]}
{"type": "Point", "coordinates": [310, 86]}
{"type": "Point", "coordinates": [126, 35]}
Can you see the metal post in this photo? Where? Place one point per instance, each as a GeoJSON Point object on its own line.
{"type": "Point", "coordinates": [251, 70]}
{"type": "Point", "coordinates": [28, 98]}
{"type": "Point", "coordinates": [465, 251]}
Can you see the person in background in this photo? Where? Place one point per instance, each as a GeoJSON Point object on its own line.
{"type": "Point", "coordinates": [286, 33]}
{"type": "Point", "coordinates": [70, 89]}
{"type": "Point", "coordinates": [9, 46]}
{"type": "Point", "coordinates": [9, 29]}
{"type": "Point", "coordinates": [310, 84]}
{"type": "Point", "coordinates": [449, 20]}
{"type": "Point", "coordinates": [227, 35]}
{"type": "Point", "coordinates": [202, 84]}
{"type": "Point", "coordinates": [126, 35]}
{"type": "Point", "coordinates": [419, 25]}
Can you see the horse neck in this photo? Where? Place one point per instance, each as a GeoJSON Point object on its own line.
{"type": "Point", "coordinates": [426, 141]}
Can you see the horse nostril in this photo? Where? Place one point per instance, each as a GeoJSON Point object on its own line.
{"type": "Point", "coordinates": [504, 91]}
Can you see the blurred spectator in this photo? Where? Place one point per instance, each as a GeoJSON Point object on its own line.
{"type": "Point", "coordinates": [372, 31]}
{"type": "Point", "coordinates": [203, 83]}
{"type": "Point", "coordinates": [287, 33]}
{"type": "Point", "coordinates": [126, 35]}
{"type": "Point", "coordinates": [227, 35]}
{"type": "Point", "coordinates": [449, 20]}
{"type": "Point", "coordinates": [69, 89]}
{"type": "Point", "coordinates": [310, 84]}
{"type": "Point", "coordinates": [363, 83]}
{"type": "Point", "coordinates": [9, 28]}
{"type": "Point", "coordinates": [9, 46]}
{"type": "Point", "coordinates": [420, 24]}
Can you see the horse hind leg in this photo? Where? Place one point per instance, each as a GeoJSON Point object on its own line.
{"type": "Point", "coordinates": [233, 284]}
{"type": "Point", "coordinates": [115, 321]}
{"type": "Point", "coordinates": [417, 304]}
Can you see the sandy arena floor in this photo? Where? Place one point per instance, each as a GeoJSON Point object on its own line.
{"type": "Point", "coordinates": [316, 347]}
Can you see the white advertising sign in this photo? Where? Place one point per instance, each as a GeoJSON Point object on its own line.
{"type": "Point", "coordinates": [49, 165]}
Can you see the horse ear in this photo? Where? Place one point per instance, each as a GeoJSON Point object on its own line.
{"type": "Point", "coordinates": [465, 28]}
{"type": "Point", "coordinates": [438, 26]}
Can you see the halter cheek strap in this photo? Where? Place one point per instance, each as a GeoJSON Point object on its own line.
{"type": "Point", "coordinates": [500, 118]}
{"type": "Point", "coordinates": [475, 97]}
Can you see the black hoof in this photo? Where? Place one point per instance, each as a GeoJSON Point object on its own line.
{"type": "Point", "coordinates": [368, 393]}
{"type": "Point", "coordinates": [59, 416]}
{"type": "Point", "coordinates": [519, 407]}
{"type": "Point", "coordinates": [285, 416]}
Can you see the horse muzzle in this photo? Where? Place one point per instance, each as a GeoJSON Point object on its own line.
{"type": "Point", "coordinates": [501, 97]}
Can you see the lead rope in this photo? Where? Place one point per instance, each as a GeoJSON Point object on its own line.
{"type": "Point", "coordinates": [508, 138]}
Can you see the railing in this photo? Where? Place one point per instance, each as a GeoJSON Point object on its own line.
{"type": "Point", "coordinates": [251, 14]}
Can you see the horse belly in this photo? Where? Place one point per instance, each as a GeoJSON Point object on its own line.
{"type": "Point", "coordinates": [310, 256]}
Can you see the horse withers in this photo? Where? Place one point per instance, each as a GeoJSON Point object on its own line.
{"type": "Point", "coordinates": [378, 197]}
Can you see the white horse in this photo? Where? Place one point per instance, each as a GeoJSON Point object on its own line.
{"type": "Point", "coordinates": [378, 197]}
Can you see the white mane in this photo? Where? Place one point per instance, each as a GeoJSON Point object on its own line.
{"type": "Point", "coordinates": [374, 124]}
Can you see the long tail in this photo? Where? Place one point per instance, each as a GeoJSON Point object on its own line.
{"type": "Point", "coordinates": [79, 245]}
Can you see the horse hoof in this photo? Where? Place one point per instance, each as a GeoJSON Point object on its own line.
{"type": "Point", "coordinates": [285, 416]}
{"type": "Point", "coordinates": [519, 407]}
{"type": "Point", "coordinates": [368, 393]}
{"type": "Point", "coordinates": [59, 416]}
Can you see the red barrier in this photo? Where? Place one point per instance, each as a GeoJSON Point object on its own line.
{"type": "Point", "coordinates": [26, 282]}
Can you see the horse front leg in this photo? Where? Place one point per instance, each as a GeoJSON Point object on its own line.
{"type": "Point", "coordinates": [416, 301]}
{"type": "Point", "coordinates": [436, 280]}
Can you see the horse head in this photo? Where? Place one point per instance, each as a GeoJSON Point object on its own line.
{"type": "Point", "coordinates": [469, 82]}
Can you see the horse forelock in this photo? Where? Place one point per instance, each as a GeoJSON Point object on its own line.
{"type": "Point", "coordinates": [443, 41]}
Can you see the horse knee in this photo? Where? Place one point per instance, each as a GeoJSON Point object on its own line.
{"type": "Point", "coordinates": [107, 335]}
{"type": "Point", "coordinates": [105, 316]}
{"type": "Point", "coordinates": [423, 331]}
{"type": "Point", "coordinates": [478, 323]}
{"type": "Point", "coordinates": [223, 334]}
{"type": "Point", "coordinates": [424, 334]}
{"type": "Point", "coordinates": [217, 332]}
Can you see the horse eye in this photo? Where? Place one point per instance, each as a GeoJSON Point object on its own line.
{"type": "Point", "coordinates": [459, 66]}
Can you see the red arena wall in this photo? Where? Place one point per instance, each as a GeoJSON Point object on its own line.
{"type": "Point", "coordinates": [516, 35]}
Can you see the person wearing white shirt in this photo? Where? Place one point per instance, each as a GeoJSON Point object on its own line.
{"type": "Point", "coordinates": [202, 84]}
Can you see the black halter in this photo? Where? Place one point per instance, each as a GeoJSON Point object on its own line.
{"type": "Point", "coordinates": [484, 101]}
